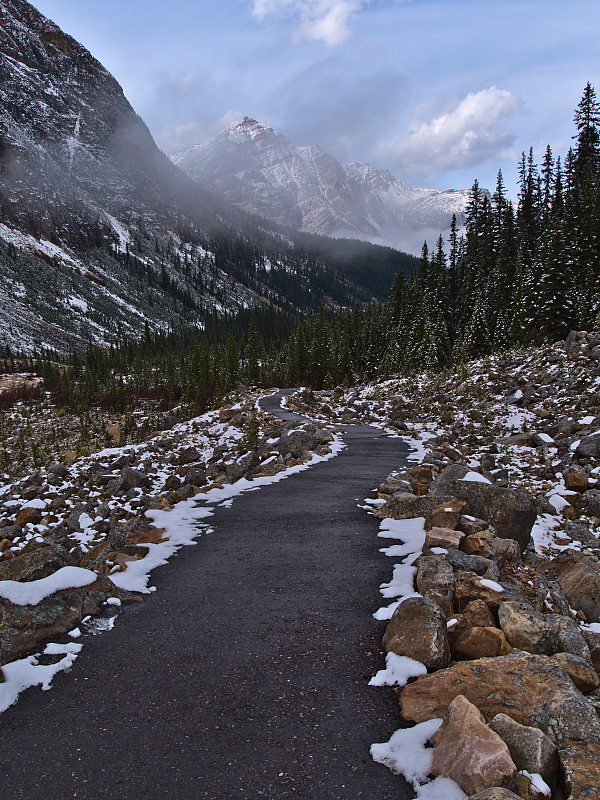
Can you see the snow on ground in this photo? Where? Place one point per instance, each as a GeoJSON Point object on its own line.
{"type": "Point", "coordinates": [182, 524]}
{"type": "Point", "coordinates": [401, 586]}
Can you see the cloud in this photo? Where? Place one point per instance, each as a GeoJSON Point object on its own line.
{"type": "Point", "coordinates": [469, 134]}
{"type": "Point", "coordinates": [339, 104]}
{"type": "Point", "coordinates": [324, 20]}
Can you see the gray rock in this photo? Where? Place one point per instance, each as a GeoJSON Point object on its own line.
{"type": "Point", "coordinates": [496, 793]}
{"type": "Point", "coordinates": [589, 447]}
{"type": "Point", "coordinates": [299, 442]}
{"type": "Point", "coordinates": [195, 476]}
{"type": "Point", "coordinates": [435, 581]}
{"type": "Point", "coordinates": [133, 479]}
{"type": "Point", "coordinates": [530, 749]}
{"type": "Point", "coordinates": [72, 521]}
{"type": "Point", "coordinates": [36, 564]}
{"type": "Point", "coordinates": [589, 502]}
{"type": "Point", "coordinates": [580, 532]}
{"type": "Point", "coordinates": [570, 638]}
{"type": "Point", "coordinates": [11, 532]}
{"type": "Point", "coordinates": [476, 564]}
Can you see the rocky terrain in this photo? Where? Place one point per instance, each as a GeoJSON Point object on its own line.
{"type": "Point", "coordinates": [493, 639]}
{"type": "Point", "coordinates": [260, 170]}
{"type": "Point", "coordinates": [78, 537]}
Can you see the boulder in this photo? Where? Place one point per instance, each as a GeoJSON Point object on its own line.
{"type": "Point", "coordinates": [479, 642]}
{"type": "Point", "coordinates": [404, 505]}
{"type": "Point", "coordinates": [435, 581]}
{"type": "Point", "coordinates": [468, 752]}
{"type": "Point", "coordinates": [533, 689]}
{"type": "Point", "coordinates": [528, 629]}
{"type": "Point", "coordinates": [133, 479]}
{"type": "Point", "coordinates": [529, 747]}
{"type": "Point", "coordinates": [570, 638]}
{"type": "Point", "coordinates": [579, 531]}
{"type": "Point", "coordinates": [589, 502]}
{"type": "Point", "coordinates": [512, 512]}
{"type": "Point", "coordinates": [445, 515]}
{"type": "Point", "coordinates": [581, 672]}
{"type": "Point", "coordinates": [580, 762]}
{"type": "Point", "coordinates": [443, 537]}
{"type": "Point", "coordinates": [470, 586]}
{"type": "Point", "coordinates": [417, 630]}
{"type": "Point", "coordinates": [23, 627]}
{"type": "Point", "coordinates": [576, 479]}
{"type": "Point", "coordinates": [36, 564]}
{"type": "Point", "coordinates": [195, 476]}
{"type": "Point", "coordinates": [469, 525]}
{"type": "Point", "coordinates": [299, 443]}
{"type": "Point", "coordinates": [495, 793]}
{"type": "Point", "coordinates": [28, 516]}
{"type": "Point", "coordinates": [461, 562]}
{"type": "Point", "coordinates": [579, 577]}
{"type": "Point", "coordinates": [589, 447]}
{"type": "Point", "coordinates": [421, 478]}
{"type": "Point", "coordinates": [393, 485]}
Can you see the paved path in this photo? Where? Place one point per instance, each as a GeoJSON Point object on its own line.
{"type": "Point", "coordinates": [245, 675]}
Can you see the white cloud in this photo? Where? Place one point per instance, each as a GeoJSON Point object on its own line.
{"type": "Point", "coordinates": [326, 20]}
{"type": "Point", "coordinates": [467, 135]}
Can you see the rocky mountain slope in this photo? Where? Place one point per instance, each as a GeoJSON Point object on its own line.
{"type": "Point", "coordinates": [258, 169]}
{"type": "Point", "coordinates": [99, 232]}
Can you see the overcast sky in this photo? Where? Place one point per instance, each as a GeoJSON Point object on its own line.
{"type": "Point", "coordinates": [438, 92]}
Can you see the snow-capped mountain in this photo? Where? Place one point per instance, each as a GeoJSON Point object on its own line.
{"type": "Point", "coordinates": [100, 234]}
{"type": "Point", "coordinates": [258, 169]}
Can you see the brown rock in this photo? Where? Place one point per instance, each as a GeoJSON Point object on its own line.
{"type": "Point", "coordinates": [443, 537]}
{"type": "Point", "coordinates": [527, 790]}
{"type": "Point", "coordinates": [581, 672]}
{"type": "Point", "coordinates": [403, 505]}
{"type": "Point", "coordinates": [473, 542]}
{"type": "Point", "coordinates": [445, 515]}
{"type": "Point", "coordinates": [36, 564]}
{"type": "Point", "coordinates": [576, 479]}
{"type": "Point", "coordinates": [478, 614]}
{"type": "Point", "coordinates": [528, 629]}
{"type": "Point", "coordinates": [28, 516]}
{"type": "Point", "coordinates": [580, 762]}
{"type": "Point", "coordinates": [496, 793]}
{"type": "Point", "coordinates": [417, 629]}
{"type": "Point", "coordinates": [530, 749]}
{"type": "Point", "coordinates": [480, 643]}
{"type": "Point", "coordinates": [420, 478]}
{"type": "Point", "coordinates": [469, 525]}
{"type": "Point", "coordinates": [468, 752]}
{"type": "Point", "coordinates": [533, 689]}
{"type": "Point", "coordinates": [469, 587]}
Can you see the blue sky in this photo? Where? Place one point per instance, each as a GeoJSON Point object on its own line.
{"type": "Point", "coordinates": [438, 92]}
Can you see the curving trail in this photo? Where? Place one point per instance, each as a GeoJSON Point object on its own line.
{"type": "Point", "coordinates": [245, 675]}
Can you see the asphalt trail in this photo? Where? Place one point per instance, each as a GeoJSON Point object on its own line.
{"type": "Point", "coordinates": [245, 675]}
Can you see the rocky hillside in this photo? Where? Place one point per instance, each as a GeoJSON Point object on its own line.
{"type": "Point", "coordinates": [100, 232]}
{"type": "Point", "coordinates": [495, 593]}
{"type": "Point", "coordinates": [259, 170]}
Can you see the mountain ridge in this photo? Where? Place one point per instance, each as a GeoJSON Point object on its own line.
{"type": "Point", "coordinates": [258, 169]}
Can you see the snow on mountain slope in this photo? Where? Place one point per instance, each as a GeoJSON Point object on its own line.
{"type": "Point", "coordinates": [258, 169]}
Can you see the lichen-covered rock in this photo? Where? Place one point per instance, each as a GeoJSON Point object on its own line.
{"type": "Point", "coordinates": [580, 762]}
{"type": "Point", "coordinates": [495, 793]}
{"type": "Point", "coordinates": [417, 629]}
{"type": "Point", "coordinates": [468, 752]}
{"type": "Point", "coordinates": [529, 747]}
{"type": "Point", "coordinates": [36, 564]}
{"type": "Point", "coordinates": [528, 629]}
{"type": "Point", "coordinates": [533, 689]}
{"type": "Point", "coordinates": [23, 627]}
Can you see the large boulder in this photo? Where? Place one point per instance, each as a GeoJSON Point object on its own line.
{"type": "Point", "coordinates": [417, 630]}
{"type": "Point", "coordinates": [299, 443]}
{"type": "Point", "coordinates": [581, 672]}
{"type": "Point", "coordinates": [512, 512]}
{"type": "Point", "coordinates": [478, 642]}
{"type": "Point", "coordinates": [405, 505]}
{"type": "Point", "coordinates": [533, 689]}
{"type": "Point", "coordinates": [133, 479]}
{"type": "Point", "coordinates": [468, 752]}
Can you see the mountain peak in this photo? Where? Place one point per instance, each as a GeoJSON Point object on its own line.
{"type": "Point", "coordinates": [258, 169]}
